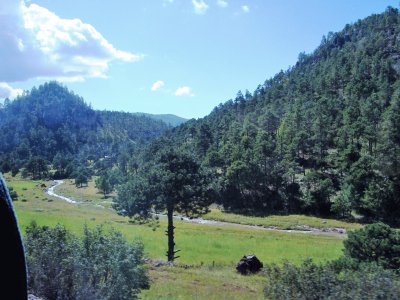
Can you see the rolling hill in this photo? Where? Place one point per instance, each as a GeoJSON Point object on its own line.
{"type": "Point", "coordinates": [51, 120]}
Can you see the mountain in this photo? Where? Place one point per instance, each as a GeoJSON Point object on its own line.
{"type": "Point", "coordinates": [170, 119]}
{"type": "Point", "coordinates": [322, 137]}
{"type": "Point", "coordinates": [51, 120]}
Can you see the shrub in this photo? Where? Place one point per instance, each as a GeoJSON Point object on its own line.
{"type": "Point", "coordinates": [50, 253]}
{"type": "Point", "coordinates": [310, 281]}
{"type": "Point", "coordinates": [377, 243]}
{"type": "Point", "coordinates": [13, 194]}
{"type": "Point", "coordinates": [100, 265]}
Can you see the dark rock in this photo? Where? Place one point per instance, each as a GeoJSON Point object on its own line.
{"type": "Point", "coordinates": [249, 264]}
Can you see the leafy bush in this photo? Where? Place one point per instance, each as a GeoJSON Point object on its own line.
{"type": "Point", "coordinates": [377, 243]}
{"type": "Point", "coordinates": [13, 194]}
{"type": "Point", "coordinates": [100, 265]}
{"type": "Point", "coordinates": [311, 281]}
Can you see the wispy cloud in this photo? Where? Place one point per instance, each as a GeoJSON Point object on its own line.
{"type": "Point", "coordinates": [166, 2]}
{"type": "Point", "coordinates": [157, 85]}
{"type": "Point", "coordinates": [184, 91]}
{"type": "Point", "coordinates": [200, 7]}
{"type": "Point", "coordinates": [6, 91]}
{"type": "Point", "coordinates": [222, 3]}
{"type": "Point", "coordinates": [245, 9]}
{"type": "Point", "coordinates": [36, 43]}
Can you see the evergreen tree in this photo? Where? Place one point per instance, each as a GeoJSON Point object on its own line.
{"type": "Point", "coordinates": [81, 180]}
{"type": "Point", "coordinates": [102, 183]}
{"type": "Point", "coordinates": [175, 183]}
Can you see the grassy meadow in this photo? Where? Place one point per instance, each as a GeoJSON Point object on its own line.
{"type": "Point", "coordinates": [206, 268]}
{"type": "Point", "coordinates": [293, 222]}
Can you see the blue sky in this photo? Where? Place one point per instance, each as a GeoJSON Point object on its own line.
{"type": "Point", "coordinates": [162, 56]}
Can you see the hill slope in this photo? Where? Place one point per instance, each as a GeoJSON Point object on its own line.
{"type": "Point", "coordinates": [51, 120]}
{"type": "Point", "coordinates": [170, 119]}
{"type": "Point", "coordinates": [322, 137]}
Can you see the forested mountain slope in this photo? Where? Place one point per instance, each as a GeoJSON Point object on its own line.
{"type": "Point", "coordinates": [52, 121]}
{"type": "Point", "coordinates": [322, 137]}
{"type": "Point", "coordinates": [170, 119]}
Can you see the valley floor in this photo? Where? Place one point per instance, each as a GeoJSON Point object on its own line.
{"type": "Point", "coordinates": [206, 268]}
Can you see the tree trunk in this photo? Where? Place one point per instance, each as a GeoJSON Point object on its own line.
{"type": "Point", "coordinates": [170, 234]}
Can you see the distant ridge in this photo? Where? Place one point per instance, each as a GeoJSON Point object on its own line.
{"type": "Point", "coordinates": [51, 120]}
{"type": "Point", "coordinates": [170, 119]}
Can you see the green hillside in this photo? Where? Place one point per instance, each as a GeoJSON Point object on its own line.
{"type": "Point", "coordinates": [51, 121]}
{"type": "Point", "coordinates": [322, 137]}
{"type": "Point", "coordinates": [170, 119]}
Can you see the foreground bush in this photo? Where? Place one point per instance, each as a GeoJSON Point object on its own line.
{"type": "Point", "coordinates": [377, 243]}
{"type": "Point", "coordinates": [100, 265]}
{"type": "Point", "coordinates": [310, 281]}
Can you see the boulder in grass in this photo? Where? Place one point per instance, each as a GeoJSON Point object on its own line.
{"type": "Point", "coordinates": [249, 264]}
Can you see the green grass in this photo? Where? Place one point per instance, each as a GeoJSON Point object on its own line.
{"type": "Point", "coordinates": [203, 283]}
{"type": "Point", "coordinates": [298, 222]}
{"type": "Point", "coordinates": [198, 243]}
{"type": "Point", "coordinates": [202, 246]}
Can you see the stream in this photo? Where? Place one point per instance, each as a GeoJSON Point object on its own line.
{"type": "Point", "coordinates": [50, 192]}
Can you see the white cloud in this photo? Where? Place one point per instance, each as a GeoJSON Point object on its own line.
{"type": "Point", "coordinates": [184, 91]}
{"type": "Point", "coordinates": [36, 43]}
{"type": "Point", "coordinates": [166, 2]}
{"type": "Point", "coordinates": [200, 7]}
{"type": "Point", "coordinates": [222, 3]}
{"type": "Point", "coordinates": [245, 8]}
{"type": "Point", "coordinates": [157, 85]}
{"type": "Point", "coordinates": [6, 91]}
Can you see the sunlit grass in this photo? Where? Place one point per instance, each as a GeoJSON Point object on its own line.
{"type": "Point", "coordinates": [198, 243]}
{"type": "Point", "coordinates": [212, 283]}
{"type": "Point", "coordinates": [298, 222]}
